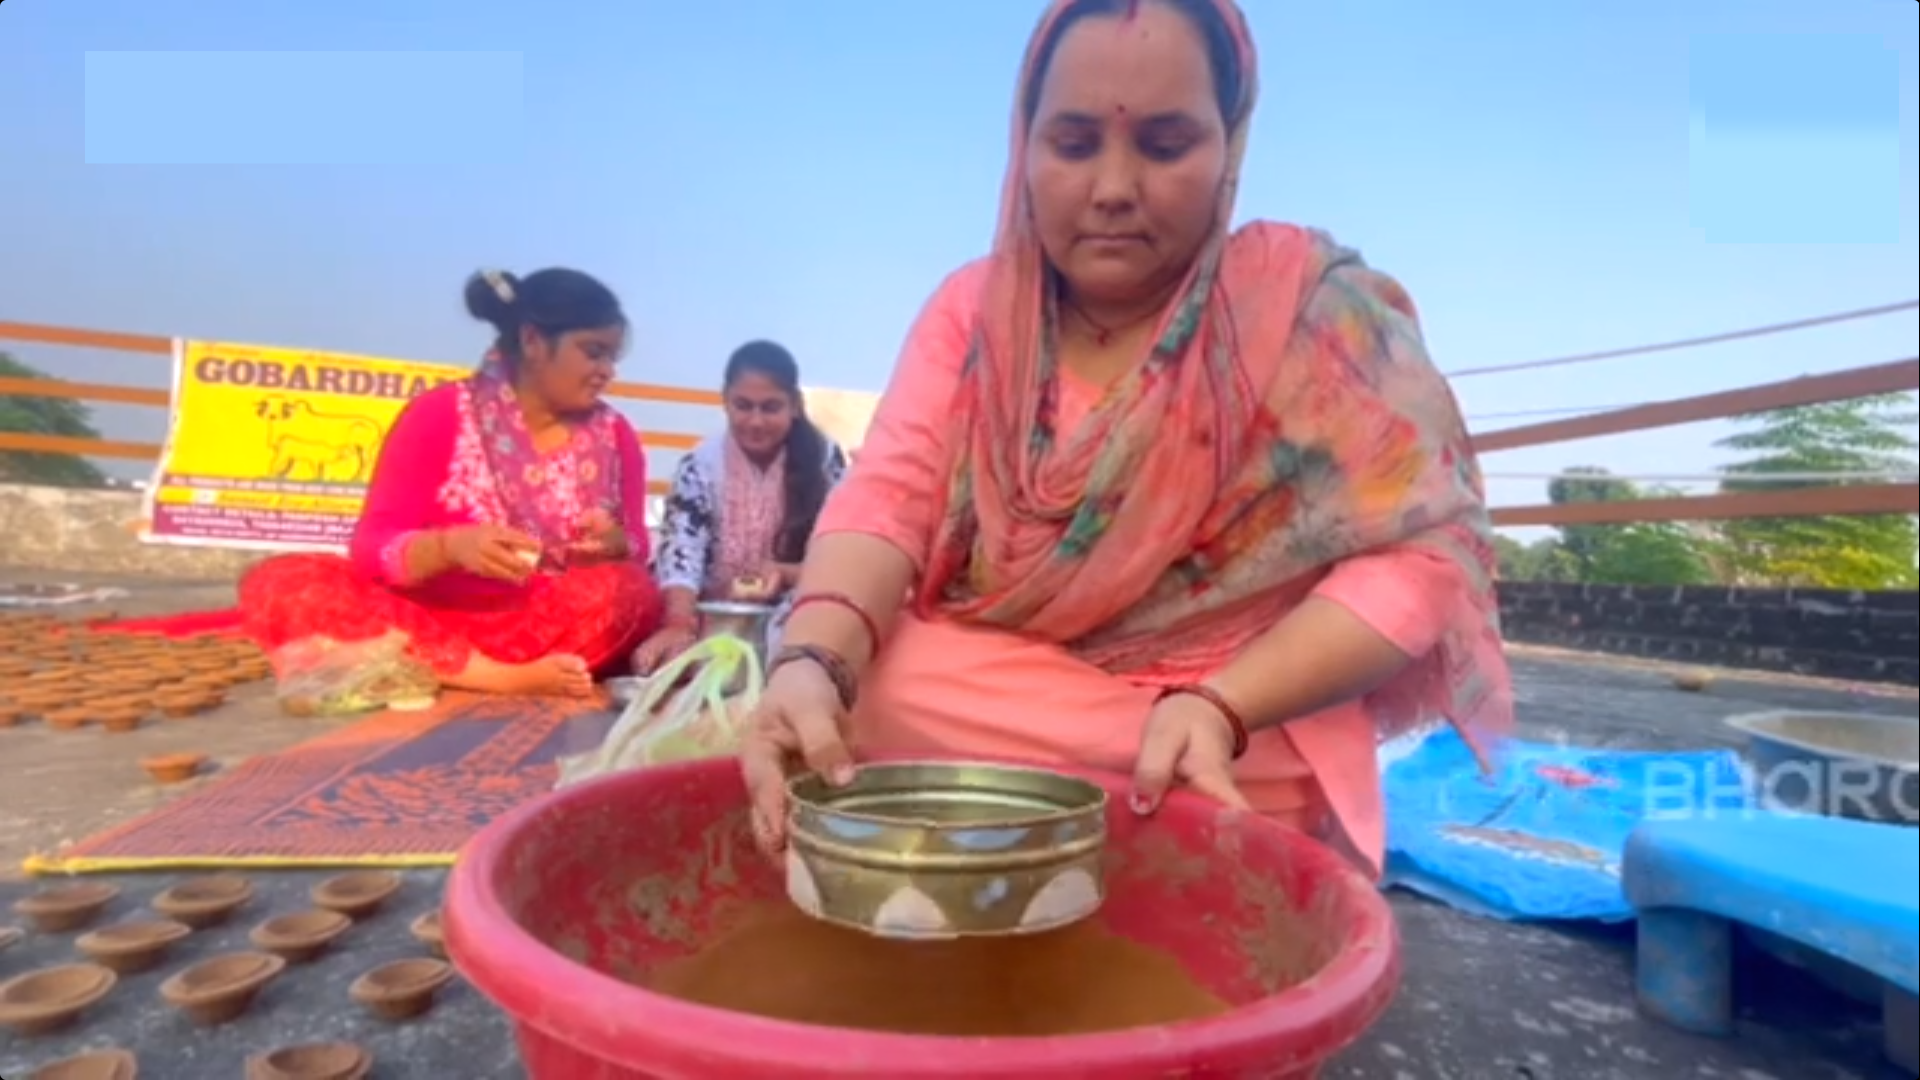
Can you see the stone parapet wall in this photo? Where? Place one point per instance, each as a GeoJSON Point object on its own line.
{"type": "Point", "coordinates": [98, 532]}
{"type": "Point", "coordinates": [1865, 636]}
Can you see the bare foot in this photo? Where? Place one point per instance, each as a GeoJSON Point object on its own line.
{"type": "Point", "coordinates": [549, 676]}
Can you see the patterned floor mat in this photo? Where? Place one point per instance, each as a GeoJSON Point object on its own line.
{"type": "Point", "coordinates": [395, 789]}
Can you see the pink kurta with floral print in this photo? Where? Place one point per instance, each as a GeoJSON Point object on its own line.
{"type": "Point", "coordinates": [454, 457]}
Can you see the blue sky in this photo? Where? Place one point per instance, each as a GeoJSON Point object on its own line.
{"type": "Point", "coordinates": [1546, 178]}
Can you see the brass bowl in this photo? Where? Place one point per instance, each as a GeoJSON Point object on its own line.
{"type": "Point", "coordinates": [941, 850]}
{"type": "Point", "coordinates": [746, 621]}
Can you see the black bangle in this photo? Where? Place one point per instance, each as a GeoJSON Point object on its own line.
{"type": "Point", "coordinates": [839, 672]}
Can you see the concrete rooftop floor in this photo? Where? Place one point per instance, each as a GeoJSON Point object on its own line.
{"type": "Point", "coordinates": [1481, 1000]}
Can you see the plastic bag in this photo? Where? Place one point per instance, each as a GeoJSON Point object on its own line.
{"type": "Point", "coordinates": [672, 722]}
{"type": "Point", "coordinates": [319, 676]}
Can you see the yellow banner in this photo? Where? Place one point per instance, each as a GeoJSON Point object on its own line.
{"type": "Point", "coordinates": [272, 448]}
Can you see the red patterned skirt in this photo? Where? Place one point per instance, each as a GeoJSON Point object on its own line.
{"type": "Point", "coordinates": [599, 613]}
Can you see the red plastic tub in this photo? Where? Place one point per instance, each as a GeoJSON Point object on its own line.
{"type": "Point", "coordinates": [556, 911]}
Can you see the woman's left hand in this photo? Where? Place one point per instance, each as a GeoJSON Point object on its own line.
{"type": "Point", "coordinates": [1186, 741]}
{"type": "Point", "coordinates": [600, 538]}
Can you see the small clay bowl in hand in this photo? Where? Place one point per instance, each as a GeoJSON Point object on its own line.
{"type": "Point", "coordinates": [315, 1061]}
{"type": "Point", "coordinates": [93, 1065]}
{"type": "Point", "coordinates": [356, 895]}
{"type": "Point", "coordinates": [206, 901]}
{"type": "Point", "coordinates": [401, 990]}
{"type": "Point", "coordinates": [428, 931]}
{"type": "Point", "coordinates": [173, 768]}
{"type": "Point", "coordinates": [133, 947]}
{"type": "Point", "coordinates": [66, 907]}
{"type": "Point", "coordinates": [48, 1000]}
{"type": "Point", "coordinates": [301, 937]}
{"type": "Point", "coordinates": [218, 990]}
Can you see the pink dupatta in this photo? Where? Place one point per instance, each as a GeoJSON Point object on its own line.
{"type": "Point", "coordinates": [545, 496]}
{"type": "Point", "coordinates": [1213, 487]}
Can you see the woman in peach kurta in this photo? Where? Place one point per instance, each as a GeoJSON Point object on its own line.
{"type": "Point", "coordinates": [1147, 494]}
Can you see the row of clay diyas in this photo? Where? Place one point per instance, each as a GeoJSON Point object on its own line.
{"type": "Point", "coordinates": [219, 989]}
{"type": "Point", "coordinates": [96, 679]}
{"type": "Point", "coordinates": [116, 713]}
{"type": "Point", "coordinates": [26, 652]}
{"type": "Point", "coordinates": [311, 1061]}
{"type": "Point", "coordinates": [200, 902]}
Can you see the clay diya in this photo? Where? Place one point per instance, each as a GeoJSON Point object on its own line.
{"type": "Point", "coordinates": [204, 902]}
{"type": "Point", "coordinates": [131, 948]}
{"type": "Point", "coordinates": [356, 895]}
{"type": "Point", "coordinates": [299, 938]}
{"type": "Point", "coordinates": [68, 719]}
{"type": "Point", "coordinates": [127, 680]}
{"type": "Point", "coordinates": [48, 1000]}
{"type": "Point", "coordinates": [401, 990]}
{"type": "Point", "coordinates": [218, 990]}
{"type": "Point", "coordinates": [428, 931]}
{"type": "Point", "coordinates": [210, 698]}
{"type": "Point", "coordinates": [96, 1065]}
{"type": "Point", "coordinates": [173, 768]}
{"type": "Point", "coordinates": [180, 704]}
{"type": "Point", "coordinates": [119, 717]}
{"type": "Point", "coordinates": [315, 1061]}
{"type": "Point", "coordinates": [66, 907]}
{"type": "Point", "coordinates": [38, 702]}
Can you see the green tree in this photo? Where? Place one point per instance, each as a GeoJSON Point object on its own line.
{"type": "Point", "coordinates": [1650, 553]}
{"type": "Point", "coordinates": [1543, 560]}
{"type": "Point", "coordinates": [45, 416]}
{"type": "Point", "coordinates": [1587, 484]}
{"type": "Point", "coordinates": [1867, 435]}
{"type": "Point", "coordinates": [1654, 553]}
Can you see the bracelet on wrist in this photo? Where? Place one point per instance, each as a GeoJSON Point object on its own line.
{"type": "Point", "coordinates": [1235, 722]}
{"type": "Point", "coordinates": [845, 683]}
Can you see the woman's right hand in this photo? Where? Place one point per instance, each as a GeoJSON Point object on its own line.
{"type": "Point", "coordinates": [798, 721]}
{"type": "Point", "coordinates": [666, 643]}
{"type": "Point", "coordinates": [491, 551]}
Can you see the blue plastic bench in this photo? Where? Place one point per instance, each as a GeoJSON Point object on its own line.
{"type": "Point", "coordinates": [1846, 889]}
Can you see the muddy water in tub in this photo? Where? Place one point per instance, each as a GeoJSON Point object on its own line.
{"type": "Point", "coordinates": [781, 964]}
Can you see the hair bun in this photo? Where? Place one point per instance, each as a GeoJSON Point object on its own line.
{"type": "Point", "coordinates": [491, 296]}
{"type": "Point", "coordinates": [504, 285]}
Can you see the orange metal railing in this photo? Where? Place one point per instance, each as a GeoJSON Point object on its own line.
{"type": "Point", "coordinates": [1874, 498]}
{"type": "Point", "coordinates": [146, 344]}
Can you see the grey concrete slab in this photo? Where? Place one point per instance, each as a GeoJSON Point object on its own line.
{"type": "Point", "coordinates": [1482, 1000]}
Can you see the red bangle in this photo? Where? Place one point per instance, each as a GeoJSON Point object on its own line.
{"type": "Point", "coordinates": [1226, 710]}
{"type": "Point", "coordinates": [847, 603]}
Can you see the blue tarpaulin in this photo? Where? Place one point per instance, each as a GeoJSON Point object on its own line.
{"type": "Point", "coordinates": [1541, 837]}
